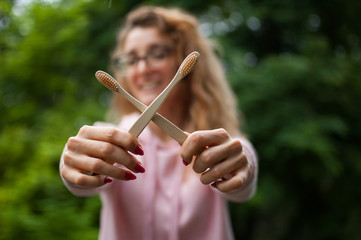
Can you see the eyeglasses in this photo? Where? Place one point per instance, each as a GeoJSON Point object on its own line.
{"type": "Point", "coordinates": [155, 57]}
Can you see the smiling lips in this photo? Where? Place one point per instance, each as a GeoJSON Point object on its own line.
{"type": "Point", "coordinates": [151, 86]}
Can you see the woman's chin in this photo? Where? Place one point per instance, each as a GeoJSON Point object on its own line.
{"type": "Point", "coordinates": [147, 100]}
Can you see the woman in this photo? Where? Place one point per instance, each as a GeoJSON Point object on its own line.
{"type": "Point", "coordinates": [150, 187]}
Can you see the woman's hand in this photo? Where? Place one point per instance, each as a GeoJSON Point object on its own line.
{"type": "Point", "coordinates": [90, 155]}
{"type": "Point", "coordinates": [218, 158]}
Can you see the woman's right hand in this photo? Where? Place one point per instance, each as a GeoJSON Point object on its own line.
{"type": "Point", "coordinates": [95, 150]}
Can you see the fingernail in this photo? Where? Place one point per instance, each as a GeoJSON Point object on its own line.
{"type": "Point", "coordinates": [129, 176]}
{"type": "Point", "coordinates": [185, 162]}
{"type": "Point", "coordinates": [139, 168]}
{"type": "Point", "coordinates": [107, 180]}
{"type": "Point", "coordinates": [138, 150]}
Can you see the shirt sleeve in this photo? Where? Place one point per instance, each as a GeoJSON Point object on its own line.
{"type": "Point", "coordinates": [247, 191]}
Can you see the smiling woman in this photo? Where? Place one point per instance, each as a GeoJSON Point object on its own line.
{"type": "Point", "coordinates": [148, 191]}
{"type": "Point", "coordinates": [180, 31]}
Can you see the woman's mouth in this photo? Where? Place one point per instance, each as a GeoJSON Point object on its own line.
{"type": "Point", "coordinates": [151, 86]}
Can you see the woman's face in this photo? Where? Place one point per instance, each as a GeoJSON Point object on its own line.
{"type": "Point", "coordinates": [150, 63]}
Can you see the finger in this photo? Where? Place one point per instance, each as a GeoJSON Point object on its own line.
{"type": "Point", "coordinates": [224, 168]}
{"type": "Point", "coordinates": [198, 141]}
{"type": "Point", "coordinates": [74, 176]}
{"type": "Point", "coordinates": [112, 135]}
{"type": "Point", "coordinates": [108, 152]}
{"type": "Point", "coordinates": [213, 155]}
{"type": "Point", "coordinates": [94, 165]}
{"type": "Point", "coordinates": [236, 182]}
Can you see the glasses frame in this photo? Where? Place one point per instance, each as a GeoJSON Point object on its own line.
{"type": "Point", "coordinates": [151, 58]}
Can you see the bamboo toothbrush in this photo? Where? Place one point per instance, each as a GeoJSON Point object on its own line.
{"type": "Point", "coordinates": [172, 130]}
{"type": "Point", "coordinates": [185, 68]}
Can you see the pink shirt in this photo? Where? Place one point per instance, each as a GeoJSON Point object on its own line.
{"type": "Point", "coordinates": [168, 201]}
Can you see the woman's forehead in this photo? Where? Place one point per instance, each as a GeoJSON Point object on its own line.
{"type": "Point", "coordinates": [143, 38]}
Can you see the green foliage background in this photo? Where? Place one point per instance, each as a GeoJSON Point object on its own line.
{"type": "Point", "coordinates": [294, 65]}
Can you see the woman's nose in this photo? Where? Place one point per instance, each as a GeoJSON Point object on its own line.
{"type": "Point", "coordinates": [142, 65]}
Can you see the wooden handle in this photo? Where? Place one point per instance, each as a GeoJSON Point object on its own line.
{"type": "Point", "coordinates": [186, 66]}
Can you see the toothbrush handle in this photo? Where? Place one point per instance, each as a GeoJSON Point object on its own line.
{"type": "Point", "coordinates": [152, 109]}
{"type": "Point", "coordinates": [171, 129]}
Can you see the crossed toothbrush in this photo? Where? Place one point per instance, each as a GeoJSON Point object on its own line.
{"type": "Point", "coordinates": [150, 113]}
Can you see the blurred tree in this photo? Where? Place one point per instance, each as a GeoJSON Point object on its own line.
{"type": "Point", "coordinates": [294, 65]}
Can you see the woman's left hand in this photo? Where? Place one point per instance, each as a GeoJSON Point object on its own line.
{"type": "Point", "coordinates": [218, 158]}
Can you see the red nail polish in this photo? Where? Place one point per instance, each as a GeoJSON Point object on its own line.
{"type": "Point", "coordinates": [185, 162]}
{"type": "Point", "coordinates": [129, 176]}
{"type": "Point", "coordinates": [138, 150]}
{"type": "Point", "coordinates": [139, 168]}
{"type": "Point", "coordinates": [107, 180]}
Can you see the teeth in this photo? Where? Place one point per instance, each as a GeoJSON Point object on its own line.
{"type": "Point", "coordinates": [150, 85]}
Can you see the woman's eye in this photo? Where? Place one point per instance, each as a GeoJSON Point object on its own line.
{"type": "Point", "coordinates": [158, 54]}
{"type": "Point", "coordinates": [131, 60]}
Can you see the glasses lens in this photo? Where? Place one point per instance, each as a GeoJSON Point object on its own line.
{"type": "Point", "coordinates": [156, 56]}
{"type": "Point", "coordinates": [120, 64]}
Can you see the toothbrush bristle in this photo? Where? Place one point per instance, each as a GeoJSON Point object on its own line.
{"type": "Point", "coordinates": [188, 63]}
{"type": "Point", "coordinates": [107, 80]}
